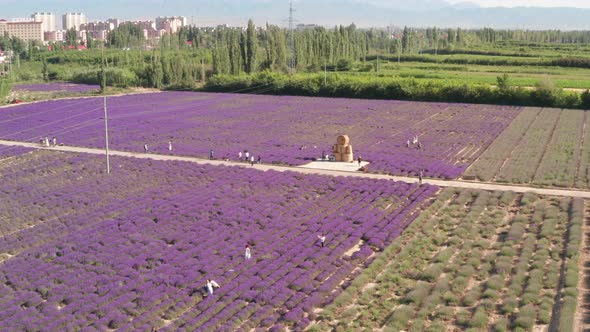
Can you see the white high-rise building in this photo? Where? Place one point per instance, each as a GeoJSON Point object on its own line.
{"type": "Point", "coordinates": [73, 20]}
{"type": "Point", "coordinates": [48, 20]}
{"type": "Point", "coordinates": [170, 24]}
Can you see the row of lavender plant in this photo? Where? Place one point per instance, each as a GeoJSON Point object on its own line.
{"type": "Point", "coordinates": [281, 129]}
{"type": "Point", "coordinates": [132, 251]}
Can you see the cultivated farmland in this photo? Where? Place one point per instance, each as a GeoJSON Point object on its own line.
{"type": "Point", "coordinates": [83, 250]}
{"type": "Point", "coordinates": [285, 130]}
{"type": "Point", "coordinates": [483, 260]}
{"type": "Point", "coordinates": [548, 147]}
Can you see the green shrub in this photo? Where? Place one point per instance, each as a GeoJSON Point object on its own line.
{"type": "Point", "coordinates": [566, 315]}
{"type": "Point", "coordinates": [501, 325]}
{"type": "Point", "coordinates": [479, 319]}
{"type": "Point", "coordinates": [471, 297]}
{"type": "Point", "coordinates": [451, 298]}
{"type": "Point", "coordinates": [418, 294]}
{"type": "Point", "coordinates": [437, 326]}
{"type": "Point", "coordinates": [432, 272]}
{"type": "Point", "coordinates": [526, 317]}
{"type": "Point", "coordinates": [495, 282]}
{"type": "Point", "coordinates": [444, 313]}
{"type": "Point", "coordinates": [463, 317]}
{"type": "Point", "coordinates": [490, 294]}
{"type": "Point", "coordinates": [509, 305]}
{"type": "Point", "coordinates": [401, 316]}
{"type": "Point", "coordinates": [466, 271]}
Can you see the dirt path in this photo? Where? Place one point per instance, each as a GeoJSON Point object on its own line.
{"type": "Point", "coordinates": [266, 167]}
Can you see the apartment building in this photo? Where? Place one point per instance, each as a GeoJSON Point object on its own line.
{"type": "Point", "coordinates": [25, 30]}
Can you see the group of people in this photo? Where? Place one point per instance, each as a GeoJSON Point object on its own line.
{"type": "Point", "coordinates": [146, 148]}
{"type": "Point", "coordinates": [211, 284]}
{"type": "Point", "coordinates": [415, 141]}
{"type": "Point", "coordinates": [45, 141]}
{"type": "Point", "coordinates": [247, 157]}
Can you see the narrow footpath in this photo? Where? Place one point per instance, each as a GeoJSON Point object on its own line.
{"type": "Point", "coordinates": [304, 170]}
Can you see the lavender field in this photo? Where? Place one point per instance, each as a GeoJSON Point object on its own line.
{"type": "Point", "coordinates": [82, 250]}
{"type": "Point", "coordinates": [56, 86]}
{"type": "Point", "coordinates": [280, 129]}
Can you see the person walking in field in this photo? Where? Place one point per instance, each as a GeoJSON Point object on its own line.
{"type": "Point", "coordinates": [240, 155]}
{"type": "Point", "coordinates": [408, 144]}
{"type": "Point", "coordinates": [360, 159]}
{"type": "Point", "coordinates": [169, 145]}
{"type": "Point", "coordinates": [210, 285]}
{"type": "Point", "coordinates": [247, 154]}
{"type": "Point", "coordinates": [247, 253]}
{"type": "Point", "coordinates": [259, 161]}
{"type": "Point", "coordinates": [419, 145]}
{"type": "Point", "coordinates": [145, 148]}
{"type": "Point", "coordinates": [420, 176]}
{"type": "Point", "coordinates": [252, 160]}
{"type": "Point", "coordinates": [54, 141]}
{"type": "Point", "coordinates": [322, 239]}
{"type": "Point", "coordinates": [211, 154]}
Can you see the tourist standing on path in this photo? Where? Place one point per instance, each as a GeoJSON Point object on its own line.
{"type": "Point", "coordinates": [46, 141]}
{"type": "Point", "coordinates": [210, 285]}
{"type": "Point", "coordinates": [420, 176]}
{"type": "Point", "coordinates": [54, 141]}
{"type": "Point", "coordinates": [211, 154]}
{"type": "Point", "coordinates": [145, 148]}
{"type": "Point", "coordinates": [240, 155]}
{"type": "Point", "coordinates": [252, 160]}
{"type": "Point", "coordinates": [247, 154]}
{"type": "Point", "coordinates": [247, 253]}
{"type": "Point", "coordinates": [259, 161]}
{"type": "Point", "coordinates": [169, 145]}
{"type": "Point", "coordinates": [360, 159]}
{"type": "Point", "coordinates": [322, 239]}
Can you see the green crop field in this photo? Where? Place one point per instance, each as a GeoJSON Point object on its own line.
{"type": "Point", "coordinates": [548, 147]}
{"type": "Point", "coordinates": [474, 260]}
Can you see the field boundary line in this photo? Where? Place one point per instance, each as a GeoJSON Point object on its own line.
{"type": "Point", "coordinates": [284, 168]}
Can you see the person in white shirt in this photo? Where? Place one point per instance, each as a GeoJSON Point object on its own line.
{"type": "Point", "coordinates": [248, 253]}
{"type": "Point", "coordinates": [210, 285]}
{"type": "Point", "coordinates": [240, 155]}
{"type": "Point", "coordinates": [247, 154]}
{"type": "Point", "coordinates": [322, 239]}
{"type": "Point", "coordinates": [169, 145]}
{"type": "Point", "coordinates": [252, 160]}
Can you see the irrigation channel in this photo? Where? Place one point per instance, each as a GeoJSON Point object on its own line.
{"type": "Point", "coordinates": [315, 170]}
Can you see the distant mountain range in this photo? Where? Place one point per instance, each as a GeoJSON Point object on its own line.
{"type": "Point", "coordinates": [364, 13]}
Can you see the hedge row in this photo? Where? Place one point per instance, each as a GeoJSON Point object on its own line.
{"type": "Point", "coordinates": [342, 85]}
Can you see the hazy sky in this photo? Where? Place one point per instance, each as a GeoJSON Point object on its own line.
{"type": "Point", "coordinates": [323, 12]}
{"type": "Point", "coordinates": [527, 3]}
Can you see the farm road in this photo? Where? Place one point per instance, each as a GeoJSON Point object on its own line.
{"type": "Point", "coordinates": [267, 167]}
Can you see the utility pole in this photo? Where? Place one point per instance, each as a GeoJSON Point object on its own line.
{"type": "Point", "coordinates": [325, 72]}
{"type": "Point", "coordinates": [202, 71]}
{"type": "Point", "coordinates": [106, 135]}
{"type": "Point", "coordinates": [291, 37]}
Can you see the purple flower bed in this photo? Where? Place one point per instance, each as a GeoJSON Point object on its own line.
{"type": "Point", "coordinates": [12, 151]}
{"type": "Point", "coordinates": [57, 86]}
{"type": "Point", "coordinates": [133, 250]}
{"type": "Point", "coordinates": [288, 130]}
